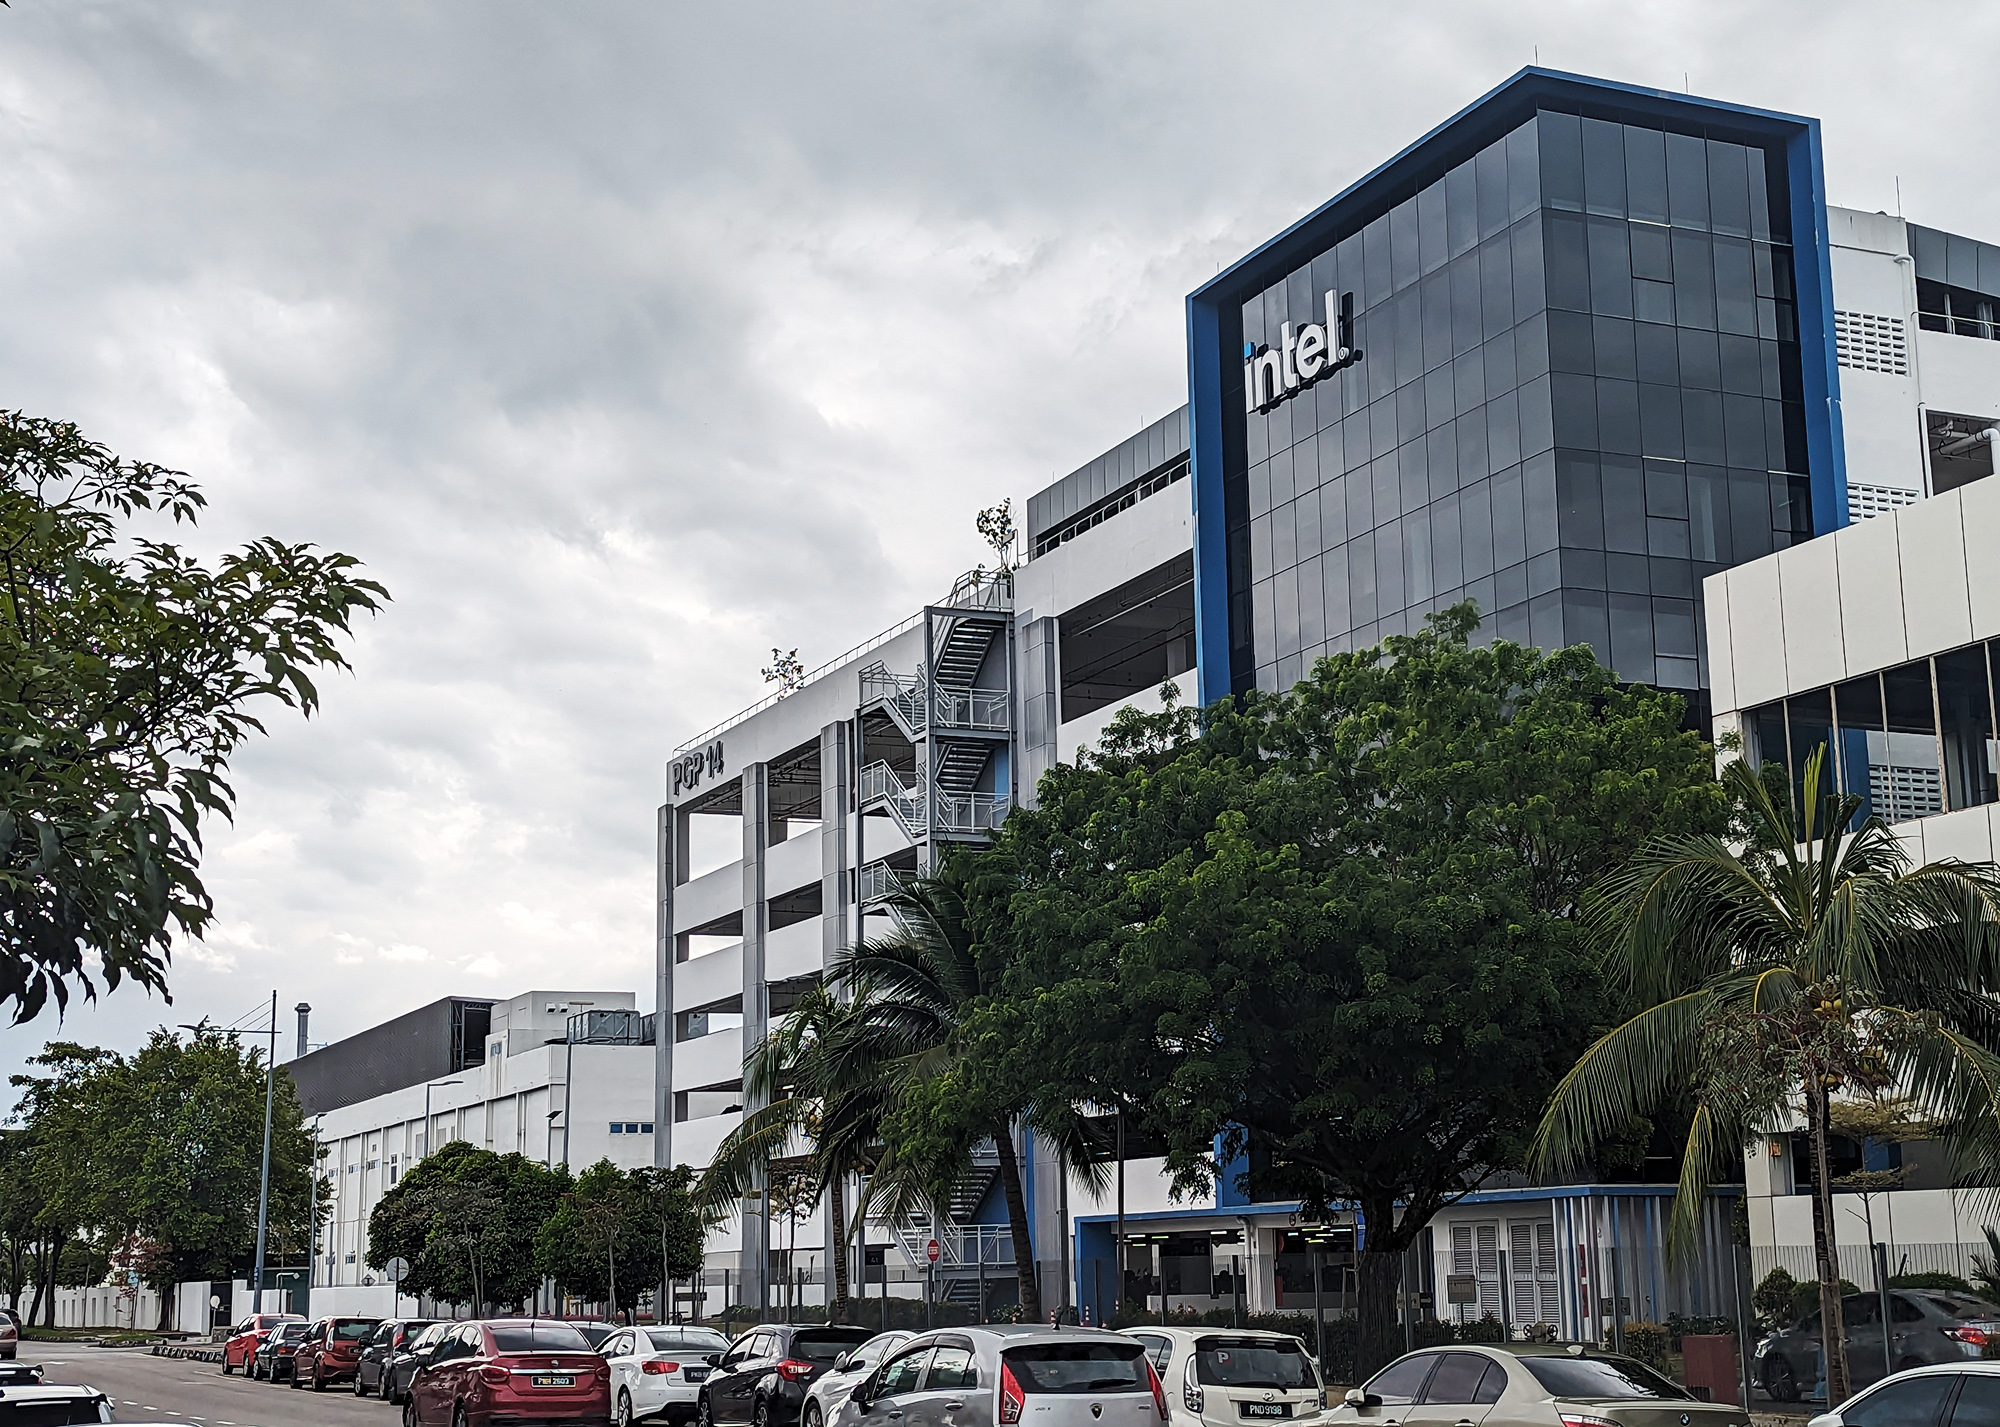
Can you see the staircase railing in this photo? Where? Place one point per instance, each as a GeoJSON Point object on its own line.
{"type": "Point", "coordinates": [959, 1245]}
{"type": "Point", "coordinates": [982, 588]}
{"type": "Point", "coordinates": [970, 812]}
{"type": "Point", "coordinates": [974, 708]}
{"type": "Point", "coordinates": [880, 783]}
{"type": "Point", "coordinates": [904, 693]}
{"type": "Point", "coordinates": [877, 880]}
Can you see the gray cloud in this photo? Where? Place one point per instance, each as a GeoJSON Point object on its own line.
{"type": "Point", "coordinates": [627, 340]}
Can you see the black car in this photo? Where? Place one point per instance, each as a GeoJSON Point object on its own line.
{"type": "Point", "coordinates": [763, 1377]}
{"type": "Point", "coordinates": [404, 1362]}
{"type": "Point", "coordinates": [390, 1337]}
{"type": "Point", "coordinates": [273, 1362]}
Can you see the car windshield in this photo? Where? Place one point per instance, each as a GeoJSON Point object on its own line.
{"type": "Point", "coordinates": [1599, 1379]}
{"type": "Point", "coordinates": [1252, 1362]}
{"type": "Point", "coordinates": [705, 1340]}
{"type": "Point", "coordinates": [827, 1344]}
{"type": "Point", "coordinates": [540, 1338]}
{"type": "Point", "coordinates": [1080, 1367]}
{"type": "Point", "coordinates": [353, 1330]}
{"type": "Point", "coordinates": [286, 1332]}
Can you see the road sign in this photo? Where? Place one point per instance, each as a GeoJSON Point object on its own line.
{"type": "Point", "coordinates": [397, 1269]}
{"type": "Point", "coordinates": [931, 1251]}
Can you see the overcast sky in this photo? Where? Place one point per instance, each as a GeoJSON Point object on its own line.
{"type": "Point", "coordinates": [624, 341]}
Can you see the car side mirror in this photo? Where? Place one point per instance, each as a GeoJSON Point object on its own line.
{"type": "Point", "coordinates": [840, 1363]}
{"type": "Point", "coordinates": [1357, 1398]}
{"type": "Point", "coordinates": [714, 1360]}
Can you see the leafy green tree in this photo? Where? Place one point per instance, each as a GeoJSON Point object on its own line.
{"type": "Point", "coordinates": [602, 1235]}
{"type": "Point", "coordinates": [129, 671]}
{"type": "Point", "coordinates": [675, 1232]}
{"type": "Point", "coordinates": [1769, 973]}
{"type": "Point", "coordinates": [465, 1220]}
{"type": "Point", "coordinates": [1337, 926]}
{"type": "Point", "coordinates": [68, 1121]}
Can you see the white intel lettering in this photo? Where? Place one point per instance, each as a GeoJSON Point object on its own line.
{"type": "Point", "coordinates": [1315, 351]}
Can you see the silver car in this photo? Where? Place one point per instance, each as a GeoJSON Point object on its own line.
{"type": "Point", "coordinates": [1009, 1375]}
{"type": "Point", "coordinates": [1961, 1394]}
{"type": "Point", "coordinates": [826, 1397]}
{"type": "Point", "coordinates": [1525, 1385]}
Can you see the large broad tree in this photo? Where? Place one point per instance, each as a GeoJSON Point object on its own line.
{"type": "Point", "coordinates": [465, 1220]}
{"type": "Point", "coordinates": [1337, 926]}
{"type": "Point", "coordinates": [130, 671]}
{"type": "Point", "coordinates": [1805, 967]}
{"type": "Point", "coordinates": [602, 1242]}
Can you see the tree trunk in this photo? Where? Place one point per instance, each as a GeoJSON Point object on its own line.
{"type": "Point", "coordinates": [1826, 1253]}
{"type": "Point", "coordinates": [56, 1247]}
{"type": "Point", "coordinates": [1017, 1222]}
{"type": "Point", "coordinates": [836, 1209]}
{"type": "Point", "coordinates": [1379, 1269]}
{"type": "Point", "coordinates": [167, 1307]}
{"type": "Point", "coordinates": [42, 1276]}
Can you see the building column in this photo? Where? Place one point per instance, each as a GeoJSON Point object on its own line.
{"type": "Point", "coordinates": [756, 1218]}
{"type": "Point", "coordinates": [835, 796]}
{"type": "Point", "coordinates": [667, 858]}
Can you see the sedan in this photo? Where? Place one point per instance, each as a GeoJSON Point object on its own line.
{"type": "Point", "coordinates": [764, 1377]}
{"type": "Point", "coordinates": [371, 1373]}
{"type": "Point", "coordinates": [410, 1359]}
{"type": "Point", "coordinates": [10, 1337]}
{"type": "Point", "coordinates": [1925, 1326]}
{"type": "Point", "coordinates": [240, 1349]}
{"type": "Point", "coordinates": [273, 1359]}
{"type": "Point", "coordinates": [1961, 1394]}
{"type": "Point", "coordinates": [510, 1370]}
{"type": "Point", "coordinates": [827, 1396]}
{"type": "Point", "coordinates": [1525, 1385]}
{"type": "Point", "coordinates": [656, 1372]}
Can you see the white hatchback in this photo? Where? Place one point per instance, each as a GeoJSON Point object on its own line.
{"type": "Point", "coordinates": [1230, 1377]}
{"type": "Point", "coordinates": [657, 1372]}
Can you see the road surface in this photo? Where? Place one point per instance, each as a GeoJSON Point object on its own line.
{"type": "Point", "coordinates": [146, 1389]}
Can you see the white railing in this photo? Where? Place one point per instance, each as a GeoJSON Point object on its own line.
{"type": "Point", "coordinates": [959, 1245]}
{"type": "Point", "coordinates": [982, 588]}
{"type": "Point", "coordinates": [879, 783]}
{"type": "Point", "coordinates": [978, 708]}
{"type": "Point", "coordinates": [903, 693]}
{"type": "Point", "coordinates": [970, 812]}
{"type": "Point", "coordinates": [877, 880]}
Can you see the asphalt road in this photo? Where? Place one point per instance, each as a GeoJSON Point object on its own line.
{"type": "Point", "coordinates": [147, 1389]}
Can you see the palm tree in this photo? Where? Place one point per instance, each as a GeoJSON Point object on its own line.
{"type": "Point", "coordinates": [1812, 959]}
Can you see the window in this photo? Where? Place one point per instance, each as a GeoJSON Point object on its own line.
{"type": "Point", "coordinates": [902, 1374]}
{"type": "Point", "coordinates": [1080, 1367]}
{"type": "Point", "coordinates": [1457, 1379]}
{"type": "Point", "coordinates": [823, 1345]}
{"type": "Point", "coordinates": [537, 1338]}
{"type": "Point", "coordinates": [1253, 1362]}
{"type": "Point", "coordinates": [1901, 1310]}
{"type": "Point", "coordinates": [1602, 1379]}
{"type": "Point", "coordinates": [1402, 1381]}
{"type": "Point", "coordinates": [950, 1368]}
{"type": "Point", "coordinates": [1159, 1349]}
{"type": "Point", "coordinates": [1913, 1402]}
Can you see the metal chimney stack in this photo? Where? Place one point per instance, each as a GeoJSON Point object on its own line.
{"type": "Point", "coordinates": [304, 1011]}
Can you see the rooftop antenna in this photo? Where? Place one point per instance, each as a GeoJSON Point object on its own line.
{"type": "Point", "coordinates": [1538, 56]}
{"type": "Point", "coordinates": [1686, 86]}
{"type": "Point", "coordinates": [1899, 195]}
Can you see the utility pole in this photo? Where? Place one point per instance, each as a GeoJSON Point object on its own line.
{"type": "Point", "coordinates": [312, 1199]}
{"type": "Point", "coordinates": [264, 1189]}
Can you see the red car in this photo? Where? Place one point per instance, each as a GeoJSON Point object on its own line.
{"type": "Point", "coordinates": [245, 1338]}
{"type": "Point", "coordinates": [510, 1370]}
{"type": "Point", "coordinates": [331, 1351]}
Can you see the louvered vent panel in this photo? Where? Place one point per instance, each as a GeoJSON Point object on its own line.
{"type": "Point", "coordinates": [1868, 342]}
{"type": "Point", "coordinates": [1866, 502]}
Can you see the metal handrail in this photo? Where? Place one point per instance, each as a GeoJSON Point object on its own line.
{"type": "Point", "coordinates": [876, 880]}
{"type": "Point", "coordinates": [976, 708]}
{"type": "Point", "coordinates": [970, 812]}
{"type": "Point", "coordinates": [879, 782]}
{"type": "Point", "coordinates": [904, 693]}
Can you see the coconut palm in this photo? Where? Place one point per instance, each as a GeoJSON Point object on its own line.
{"type": "Point", "coordinates": [1810, 960]}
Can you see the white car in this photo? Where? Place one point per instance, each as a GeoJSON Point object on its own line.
{"type": "Point", "coordinates": [656, 1372]}
{"type": "Point", "coordinates": [825, 1398]}
{"type": "Point", "coordinates": [1226, 1377]}
{"type": "Point", "coordinates": [1968, 1391]}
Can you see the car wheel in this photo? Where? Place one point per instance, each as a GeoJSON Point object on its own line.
{"type": "Point", "coordinates": [319, 1383]}
{"type": "Point", "coordinates": [704, 1415]}
{"type": "Point", "coordinates": [812, 1416]}
{"type": "Point", "coordinates": [760, 1415]}
{"type": "Point", "coordinates": [458, 1417]}
{"type": "Point", "coordinates": [410, 1412]}
{"type": "Point", "coordinates": [360, 1389]}
{"type": "Point", "coordinates": [297, 1382]}
{"type": "Point", "coordinates": [1779, 1381]}
{"type": "Point", "coordinates": [623, 1416]}
{"type": "Point", "coordinates": [226, 1368]}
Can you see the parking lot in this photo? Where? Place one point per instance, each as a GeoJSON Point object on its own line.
{"type": "Point", "coordinates": [177, 1390]}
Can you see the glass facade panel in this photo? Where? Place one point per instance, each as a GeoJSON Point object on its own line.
{"type": "Point", "coordinates": [1540, 376]}
{"type": "Point", "coordinates": [1863, 743]}
{"type": "Point", "coordinates": [1965, 717]}
{"type": "Point", "coordinates": [1909, 785]}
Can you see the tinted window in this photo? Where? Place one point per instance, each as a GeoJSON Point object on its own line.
{"type": "Point", "coordinates": [538, 1338]}
{"type": "Point", "coordinates": [1913, 1402]}
{"type": "Point", "coordinates": [1402, 1380]}
{"type": "Point", "coordinates": [1978, 1402]}
{"type": "Point", "coordinates": [700, 1339]}
{"type": "Point", "coordinates": [353, 1330]}
{"type": "Point", "coordinates": [951, 1367]}
{"type": "Point", "coordinates": [1491, 1386]}
{"type": "Point", "coordinates": [1902, 1310]}
{"type": "Point", "coordinates": [826, 1344]}
{"type": "Point", "coordinates": [902, 1374]}
{"type": "Point", "coordinates": [593, 1333]}
{"type": "Point", "coordinates": [1252, 1362]}
{"type": "Point", "coordinates": [61, 1411]}
{"type": "Point", "coordinates": [1599, 1378]}
{"type": "Point", "coordinates": [618, 1345]}
{"type": "Point", "coordinates": [1457, 1378]}
{"type": "Point", "coordinates": [1080, 1367]}
{"type": "Point", "coordinates": [1160, 1349]}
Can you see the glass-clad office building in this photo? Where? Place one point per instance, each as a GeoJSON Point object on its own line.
{"type": "Point", "coordinates": [1564, 357]}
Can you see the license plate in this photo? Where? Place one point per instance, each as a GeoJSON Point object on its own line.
{"type": "Point", "coordinates": [549, 1379]}
{"type": "Point", "coordinates": [694, 1374]}
{"type": "Point", "coordinates": [1266, 1409]}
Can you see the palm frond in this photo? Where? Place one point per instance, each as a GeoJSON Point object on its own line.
{"type": "Point", "coordinates": [1623, 1076]}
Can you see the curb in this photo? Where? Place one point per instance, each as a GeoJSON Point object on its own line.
{"type": "Point", "coordinates": [200, 1355]}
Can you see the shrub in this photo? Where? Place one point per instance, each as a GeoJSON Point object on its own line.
{"type": "Point", "coordinates": [1648, 1343]}
{"type": "Point", "coordinates": [1950, 1282]}
{"type": "Point", "coordinates": [1805, 1298]}
{"type": "Point", "coordinates": [1773, 1299]}
{"type": "Point", "coordinates": [1681, 1325]}
{"type": "Point", "coordinates": [1486, 1330]}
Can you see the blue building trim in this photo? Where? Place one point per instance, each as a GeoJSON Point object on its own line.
{"type": "Point", "coordinates": [1215, 319]}
{"type": "Point", "coordinates": [1819, 365]}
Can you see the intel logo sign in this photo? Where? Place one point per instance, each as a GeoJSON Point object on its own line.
{"type": "Point", "coordinates": [1270, 374]}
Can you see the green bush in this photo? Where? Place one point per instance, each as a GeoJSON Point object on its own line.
{"type": "Point", "coordinates": [1486, 1330]}
{"type": "Point", "coordinates": [1681, 1325]}
{"type": "Point", "coordinates": [1648, 1343]}
{"type": "Point", "coordinates": [1950, 1282]}
{"type": "Point", "coordinates": [1772, 1299]}
{"type": "Point", "coordinates": [1805, 1298]}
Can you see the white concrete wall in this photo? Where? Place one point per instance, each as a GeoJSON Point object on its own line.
{"type": "Point", "coordinates": [1873, 274]}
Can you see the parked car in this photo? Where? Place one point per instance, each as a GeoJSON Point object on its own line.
{"type": "Point", "coordinates": [46, 1403]}
{"type": "Point", "coordinates": [13, 1374]}
{"type": "Point", "coordinates": [415, 1353]}
{"type": "Point", "coordinates": [1218, 1376]}
{"type": "Point", "coordinates": [656, 1372]}
{"type": "Point", "coordinates": [594, 1330]}
{"type": "Point", "coordinates": [510, 1369]}
{"type": "Point", "coordinates": [273, 1358]}
{"type": "Point", "coordinates": [1925, 1326]}
{"type": "Point", "coordinates": [10, 1336]}
{"type": "Point", "coordinates": [1958, 1394]}
{"type": "Point", "coordinates": [764, 1376]}
{"type": "Point", "coordinates": [371, 1370]}
{"type": "Point", "coordinates": [331, 1352]}
{"type": "Point", "coordinates": [999, 1375]}
{"type": "Point", "coordinates": [240, 1348]}
{"type": "Point", "coordinates": [1525, 1385]}
{"type": "Point", "coordinates": [829, 1393]}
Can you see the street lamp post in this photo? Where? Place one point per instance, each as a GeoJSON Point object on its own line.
{"type": "Point", "coordinates": [569, 1070]}
{"type": "Point", "coordinates": [433, 1085]}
